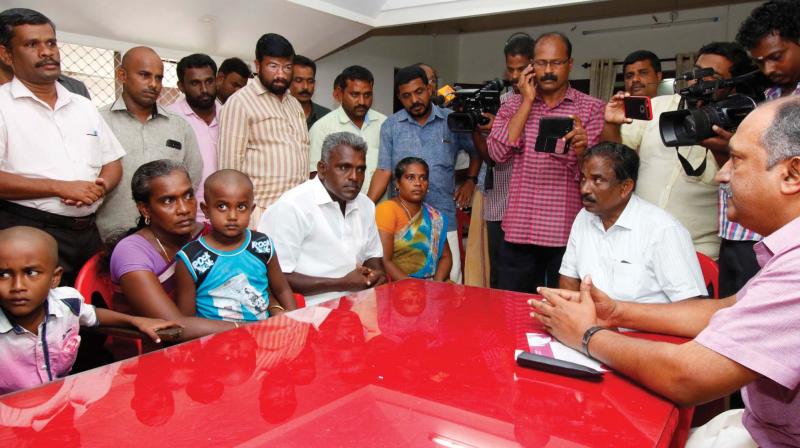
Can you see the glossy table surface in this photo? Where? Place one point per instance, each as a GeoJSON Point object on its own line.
{"type": "Point", "coordinates": [412, 363]}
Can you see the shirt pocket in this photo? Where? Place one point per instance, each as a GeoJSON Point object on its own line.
{"type": "Point", "coordinates": [92, 151]}
{"type": "Point", "coordinates": [61, 362]}
{"type": "Point", "coordinates": [627, 280]}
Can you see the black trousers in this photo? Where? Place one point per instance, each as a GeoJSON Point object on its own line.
{"type": "Point", "coordinates": [525, 267]}
{"type": "Point", "coordinates": [737, 264]}
{"type": "Point", "coordinates": [78, 238]}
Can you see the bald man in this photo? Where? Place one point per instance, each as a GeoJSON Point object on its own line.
{"type": "Point", "coordinates": [147, 131]}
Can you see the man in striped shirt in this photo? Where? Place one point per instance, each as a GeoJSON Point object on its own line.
{"type": "Point", "coordinates": [543, 196]}
{"type": "Point", "coordinates": [263, 129]}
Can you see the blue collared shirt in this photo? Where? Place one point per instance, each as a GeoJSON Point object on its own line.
{"type": "Point", "coordinates": [402, 136]}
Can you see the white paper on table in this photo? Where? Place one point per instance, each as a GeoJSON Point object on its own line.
{"type": "Point", "coordinates": [564, 353]}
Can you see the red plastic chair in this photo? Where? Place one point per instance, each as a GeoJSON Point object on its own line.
{"type": "Point", "coordinates": [93, 285]}
{"type": "Point", "coordinates": [97, 289]}
{"type": "Point", "coordinates": [710, 274]}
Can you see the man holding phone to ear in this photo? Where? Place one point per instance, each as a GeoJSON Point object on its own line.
{"type": "Point", "coordinates": [544, 196]}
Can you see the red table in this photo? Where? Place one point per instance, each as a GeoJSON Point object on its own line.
{"type": "Point", "coordinates": [412, 363]}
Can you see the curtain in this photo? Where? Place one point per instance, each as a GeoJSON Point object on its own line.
{"type": "Point", "coordinates": [602, 75]}
{"type": "Point", "coordinates": [684, 62]}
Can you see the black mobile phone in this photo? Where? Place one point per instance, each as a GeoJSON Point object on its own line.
{"type": "Point", "coordinates": [551, 130]}
{"type": "Point", "coordinates": [557, 366]}
{"type": "Point", "coordinates": [638, 108]}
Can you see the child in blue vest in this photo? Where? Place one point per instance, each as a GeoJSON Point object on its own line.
{"type": "Point", "coordinates": [232, 273]}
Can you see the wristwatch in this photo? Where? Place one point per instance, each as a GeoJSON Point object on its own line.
{"type": "Point", "coordinates": [474, 179]}
{"type": "Point", "coordinates": [587, 336]}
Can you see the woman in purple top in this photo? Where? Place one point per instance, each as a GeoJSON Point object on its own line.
{"type": "Point", "coordinates": [143, 263]}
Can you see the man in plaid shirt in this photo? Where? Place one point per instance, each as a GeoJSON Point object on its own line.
{"type": "Point", "coordinates": [543, 197]}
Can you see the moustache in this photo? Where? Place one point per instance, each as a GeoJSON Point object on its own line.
{"type": "Point", "coordinates": [548, 77]}
{"type": "Point", "coordinates": [588, 198]}
{"type": "Point", "coordinates": [148, 91]}
{"type": "Point", "coordinates": [304, 92]}
{"type": "Point", "coordinates": [726, 188]}
{"type": "Point", "coordinates": [48, 61]}
{"type": "Point", "coordinates": [416, 105]}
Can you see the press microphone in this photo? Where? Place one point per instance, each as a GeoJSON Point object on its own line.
{"type": "Point", "coordinates": [444, 95]}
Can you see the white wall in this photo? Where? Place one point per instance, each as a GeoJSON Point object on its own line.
{"type": "Point", "coordinates": [476, 57]}
{"type": "Point", "coordinates": [122, 47]}
{"type": "Point", "coordinates": [481, 54]}
{"type": "Point", "coordinates": [381, 54]}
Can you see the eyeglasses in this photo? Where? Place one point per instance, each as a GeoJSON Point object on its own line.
{"type": "Point", "coordinates": [556, 63]}
{"type": "Point", "coordinates": [275, 68]}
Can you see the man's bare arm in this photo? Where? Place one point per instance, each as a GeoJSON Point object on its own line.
{"type": "Point", "coordinates": [688, 374]}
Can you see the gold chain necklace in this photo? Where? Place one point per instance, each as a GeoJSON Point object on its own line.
{"type": "Point", "coordinates": [164, 251]}
{"type": "Point", "coordinates": [403, 204]}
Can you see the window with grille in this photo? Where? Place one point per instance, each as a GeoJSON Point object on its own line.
{"type": "Point", "coordinates": [96, 67]}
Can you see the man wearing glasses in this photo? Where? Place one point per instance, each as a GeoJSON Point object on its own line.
{"type": "Point", "coordinates": [263, 128]}
{"type": "Point", "coordinates": [543, 196]}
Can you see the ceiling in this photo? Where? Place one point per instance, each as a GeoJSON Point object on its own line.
{"type": "Point", "coordinates": [315, 27]}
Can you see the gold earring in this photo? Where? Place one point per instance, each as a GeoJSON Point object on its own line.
{"type": "Point", "coordinates": [147, 220]}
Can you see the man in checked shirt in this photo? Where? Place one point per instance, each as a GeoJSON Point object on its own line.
{"type": "Point", "coordinates": [543, 197]}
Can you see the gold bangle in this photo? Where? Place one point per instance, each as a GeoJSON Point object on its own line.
{"type": "Point", "coordinates": [236, 324]}
{"type": "Point", "coordinates": [276, 306]}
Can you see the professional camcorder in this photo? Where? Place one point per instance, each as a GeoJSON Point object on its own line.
{"type": "Point", "coordinates": [699, 111]}
{"type": "Point", "coordinates": [470, 104]}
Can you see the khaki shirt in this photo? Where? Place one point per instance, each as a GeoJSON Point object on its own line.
{"type": "Point", "coordinates": [662, 181]}
{"type": "Point", "coordinates": [165, 135]}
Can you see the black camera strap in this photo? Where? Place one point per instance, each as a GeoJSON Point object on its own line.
{"type": "Point", "coordinates": [687, 167]}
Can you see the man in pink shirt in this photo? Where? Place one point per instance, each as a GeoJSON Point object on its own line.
{"type": "Point", "coordinates": [750, 340]}
{"type": "Point", "coordinates": [543, 195]}
{"type": "Point", "coordinates": [197, 80]}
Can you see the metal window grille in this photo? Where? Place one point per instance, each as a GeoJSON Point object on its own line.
{"type": "Point", "coordinates": [96, 67]}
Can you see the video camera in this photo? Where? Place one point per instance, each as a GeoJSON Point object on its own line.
{"type": "Point", "coordinates": [469, 105]}
{"type": "Point", "coordinates": [688, 126]}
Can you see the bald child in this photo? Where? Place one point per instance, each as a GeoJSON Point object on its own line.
{"type": "Point", "coordinates": [232, 273]}
{"type": "Point", "coordinates": [39, 322]}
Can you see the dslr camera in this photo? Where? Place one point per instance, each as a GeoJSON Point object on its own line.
{"type": "Point", "coordinates": [469, 105]}
{"type": "Point", "coordinates": [699, 110]}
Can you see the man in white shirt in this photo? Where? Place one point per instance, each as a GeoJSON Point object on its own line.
{"type": "Point", "coordinates": [691, 197]}
{"type": "Point", "coordinates": [324, 230]}
{"type": "Point", "coordinates": [633, 250]}
{"type": "Point", "coordinates": [58, 157]}
{"type": "Point", "coordinates": [355, 115]}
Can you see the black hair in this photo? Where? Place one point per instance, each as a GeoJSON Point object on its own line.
{"type": "Point", "coordinates": [642, 55]}
{"type": "Point", "coordinates": [559, 35]}
{"type": "Point", "coordinates": [13, 17]}
{"type": "Point", "coordinates": [305, 62]}
{"type": "Point", "coordinates": [624, 159]}
{"type": "Point", "coordinates": [732, 51]}
{"type": "Point", "coordinates": [407, 74]}
{"type": "Point", "coordinates": [235, 65]}
{"type": "Point", "coordinates": [520, 44]}
{"type": "Point", "coordinates": [776, 16]}
{"type": "Point", "coordinates": [400, 169]}
{"type": "Point", "coordinates": [274, 45]}
{"type": "Point", "coordinates": [141, 190]}
{"type": "Point", "coordinates": [337, 80]}
{"type": "Point", "coordinates": [144, 175]}
{"type": "Point", "coordinates": [197, 60]}
{"type": "Point", "coordinates": [354, 73]}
